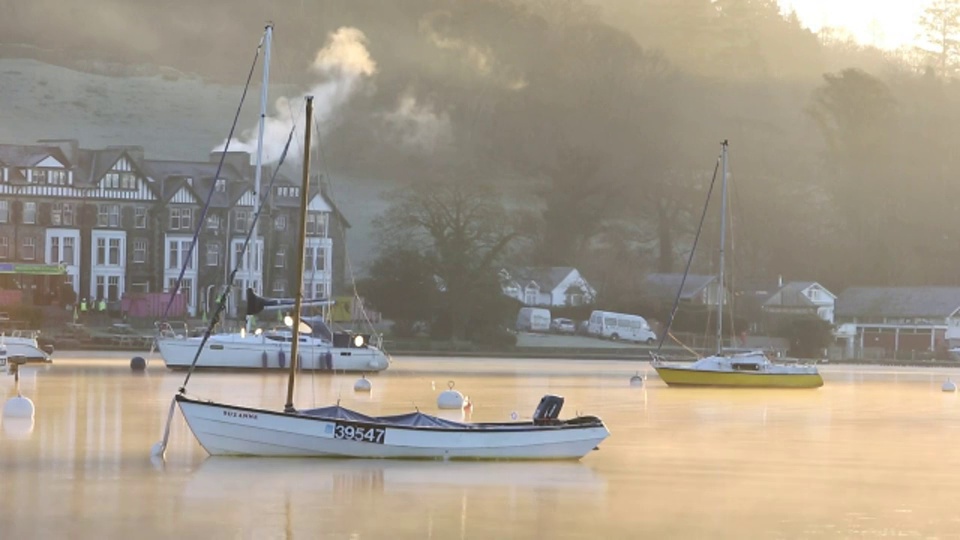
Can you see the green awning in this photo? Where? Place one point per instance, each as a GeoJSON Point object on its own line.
{"type": "Point", "coordinates": [33, 269]}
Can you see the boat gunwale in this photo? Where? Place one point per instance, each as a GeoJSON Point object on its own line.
{"type": "Point", "coordinates": [591, 422]}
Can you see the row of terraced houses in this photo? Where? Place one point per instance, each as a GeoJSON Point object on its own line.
{"type": "Point", "coordinates": [114, 222]}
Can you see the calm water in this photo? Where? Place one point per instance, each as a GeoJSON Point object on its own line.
{"type": "Point", "coordinates": [872, 454]}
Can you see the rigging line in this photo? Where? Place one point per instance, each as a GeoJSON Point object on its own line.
{"type": "Point", "coordinates": [343, 239]}
{"type": "Point", "coordinates": [213, 185]}
{"type": "Point", "coordinates": [222, 300]}
{"type": "Point", "coordinates": [693, 250]}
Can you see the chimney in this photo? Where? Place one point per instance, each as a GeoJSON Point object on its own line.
{"type": "Point", "coordinates": [67, 146]}
{"type": "Point", "coordinates": [238, 160]}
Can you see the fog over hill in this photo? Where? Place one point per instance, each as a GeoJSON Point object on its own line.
{"type": "Point", "coordinates": [598, 119]}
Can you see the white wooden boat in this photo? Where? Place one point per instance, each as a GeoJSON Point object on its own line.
{"type": "Point", "coordinates": [225, 429]}
{"type": "Point", "coordinates": [335, 431]}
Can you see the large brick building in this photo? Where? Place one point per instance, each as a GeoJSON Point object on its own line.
{"type": "Point", "coordinates": [116, 223]}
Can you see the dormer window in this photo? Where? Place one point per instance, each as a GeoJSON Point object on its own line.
{"type": "Point", "coordinates": [57, 177]}
{"type": "Point", "coordinates": [221, 185]}
{"type": "Point", "coordinates": [38, 176]}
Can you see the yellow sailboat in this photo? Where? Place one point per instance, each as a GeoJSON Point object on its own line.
{"type": "Point", "coordinates": [739, 370]}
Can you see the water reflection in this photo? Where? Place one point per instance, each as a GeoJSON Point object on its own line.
{"type": "Point", "coordinates": [869, 454]}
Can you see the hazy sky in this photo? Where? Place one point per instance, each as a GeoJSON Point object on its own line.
{"type": "Point", "coordinates": [885, 23]}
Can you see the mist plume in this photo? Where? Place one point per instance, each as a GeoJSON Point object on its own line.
{"type": "Point", "coordinates": [342, 64]}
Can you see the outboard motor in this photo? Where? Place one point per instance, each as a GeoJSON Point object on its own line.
{"type": "Point", "coordinates": [548, 411]}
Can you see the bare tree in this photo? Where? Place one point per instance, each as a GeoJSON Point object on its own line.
{"type": "Point", "coordinates": [940, 31]}
{"type": "Point", "coordinates": [461, 228]}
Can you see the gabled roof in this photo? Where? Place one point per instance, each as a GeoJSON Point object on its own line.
{"type": "Point", "coordinates": [97, 163]}
{"type": "Point", "coordinates": [791, 294]}
{"type": "Point", "coordinates": [16, 155]}
{"type": "Point", "coordinates": [547, 277]}
{"type": "Point", "coordinates": [665, 286]}
{"type": "Point", "coordinates": [898, 302]}
{"type": "Point", "coordinates": [175, 173]}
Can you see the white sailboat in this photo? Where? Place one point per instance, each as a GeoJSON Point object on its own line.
{"type": "Point", "coordinates": [751, 369]}
{"type": "Point", "coordinates": [224, 429]}
{"type": "Point", "coordinates": [24, 344]}
{"type": "Point", "coordinates": [320, 349]}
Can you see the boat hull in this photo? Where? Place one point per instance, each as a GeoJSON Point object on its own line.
{"type": "Point", "coordinates": [230, 430]}
{"type": "Point", "coordinates": [680, 376]}
{"type": "Point", "coordinates": [257, 352]}
{"type": "Point", "coordinates": [26, 348]}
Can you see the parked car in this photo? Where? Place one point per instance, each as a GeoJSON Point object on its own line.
{"type": "Point", "coordinates": [561, 325]}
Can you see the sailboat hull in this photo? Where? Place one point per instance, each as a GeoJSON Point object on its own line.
{"type": "Point", "coordinates": [230, 430]}
{"type": "Point", "coordinates": [679, 376]}
{"type": "Point", "coordinates": [232, 351]}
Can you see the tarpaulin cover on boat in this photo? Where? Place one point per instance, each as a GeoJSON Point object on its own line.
{"type": "Point", "coordinates": [410, 419]}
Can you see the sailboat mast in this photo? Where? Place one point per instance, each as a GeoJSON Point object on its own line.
{"type": "Point", "coordinates": [298, 294]}
{"type": "Point", "coordinates": [723, 238]}
{"type": "Point", "coordinates": [258, 172]}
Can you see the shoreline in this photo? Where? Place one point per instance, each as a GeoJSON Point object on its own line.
{"type": "Point", "coordinates": [529, 353]}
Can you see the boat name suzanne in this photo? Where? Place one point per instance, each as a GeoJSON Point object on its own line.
{"type": "Point", "coordinates": [235, 414]}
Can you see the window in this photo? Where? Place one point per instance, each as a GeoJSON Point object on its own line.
{"type": "Point", "coordinates": [221, 185]}
{"type": "Point", "coordinates": [108, 215]}
{"type": "Point", "coordinates": [140, 217]}
{"type": "Point", "coordinates": [280, 258]}
{"type": "Point", "coordinates": [128, 181]}
{"type": "Point", "coordinates": [101, 286]}
{"type": "Point", "coordinates": [29, 251]}
{"type": "Point", "coordinates": [4, 247]}
{"type": "Point", "coordinates": [58, 177]}
{"type": "Point", "coordinates": [114, 252]}
{"type": "Point", "coordinates": [61, 213]}
{"type": "Point", "coordinates": [38, 176]}
{"type": "Point", "coordinates": [241, 224]}
{"type": "Point", "coordinates": [280, 223]}
{"type": "Point", "coordinates": [29, 213]}
{"type": "Point", "coordinates": [4, 211]}
{"type": "Point", "coordinates": [113, 288]}
{"type": "Point", "coordinates": [139, 250]}
{"type": "Point", "coordinates": [54, 249]}
{"type": "Point", "coordinates": [315, 224]}
{"type": "Point", "coordinates": [181, 218]}
{"type": "Point", "coordinates": [101, 251]}
{"type": "Point", "coordinates": [213, 222]}
{"type": "Point", "coordinates": [314, 259]}
{"type": "Point", "coordinates": [177, 254]}
{"type": "Point", "coordinates": [279, 287]}
{"type": "Point", "coordinates": [213, 254]}
{"type": "Point", "coordinates": [318, 290]}
{"type": "Point", "coordinates": [67, 255]}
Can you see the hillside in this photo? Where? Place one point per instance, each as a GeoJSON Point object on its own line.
{"type": "Point", "coordinates": [171, 116]}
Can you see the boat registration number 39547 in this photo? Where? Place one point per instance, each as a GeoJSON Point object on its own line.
{"type": "Point", "coordinates": [355, 432]}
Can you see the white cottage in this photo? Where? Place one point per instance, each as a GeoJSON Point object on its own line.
{"type": "Point", "coordinates": [547, 286]}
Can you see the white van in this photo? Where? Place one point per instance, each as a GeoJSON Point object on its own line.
{"type": "Point", "coordinates": [610, 325]}
{"type": "Point", "coordinates": [531, 319]}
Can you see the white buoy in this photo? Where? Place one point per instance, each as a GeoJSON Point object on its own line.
{"type": "Point", "coordinates": [949, 386]}
{"type": "Point", "coordinates": [18, 407]}
{"type": "Point", "coordinates": [450, 398]}
{"type": "Point", "coordinates": [636, 380]}
{"type": "Point", "coordinates": [362, 385]}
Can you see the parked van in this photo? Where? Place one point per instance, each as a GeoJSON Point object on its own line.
{"type": "Point", "coordinates": [531, 319]}
{"type": "Point", "coordinates": [610, 325]}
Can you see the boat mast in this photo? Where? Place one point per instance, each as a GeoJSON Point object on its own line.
{"type": "Point", "coordinates": [258, 172]}
{"type": "Point", "coordinates": [298, 294]}
{"type": "Point", "coordinates": [723, 237]}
